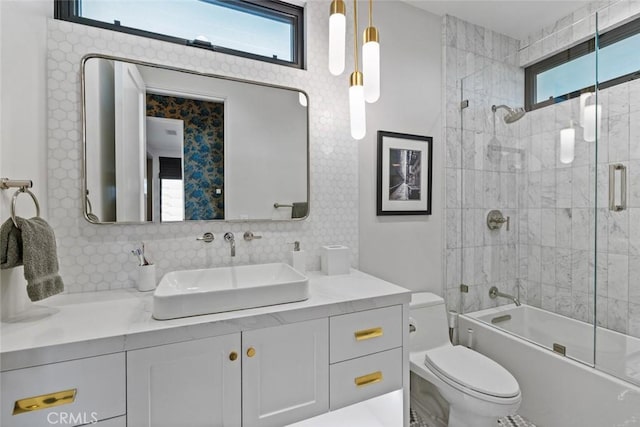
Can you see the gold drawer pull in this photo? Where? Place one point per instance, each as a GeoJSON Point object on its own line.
{"type": "Point", "coordinates": [44, 401]}
{"type": "Point", "coordinates": [368, 379]}
{"type": "Point", "coordinates": [367, 334]}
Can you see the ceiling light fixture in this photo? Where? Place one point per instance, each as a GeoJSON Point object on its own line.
{"type": "Point", "coordinates": [356, 90]}
{"type": "Point", "coordinates": [337, 36]}
{"type": "Point", "coordinates": [371, 60]}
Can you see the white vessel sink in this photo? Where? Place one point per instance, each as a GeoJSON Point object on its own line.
{"type": "Point", "coordinates": [214, 290]}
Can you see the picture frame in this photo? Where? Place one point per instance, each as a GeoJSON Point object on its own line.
{"type": "Point", "coordinates": [404, 174]}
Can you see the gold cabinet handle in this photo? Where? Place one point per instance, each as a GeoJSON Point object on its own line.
{"type": "Point", "coordinates": [251, 352]}
{"type": "Point", "coordinates": [233, 356]}
{"type": "Point", "coordinates": [368, 379]}
{"type": "Point", "coordinates": [367, 334]}
{"type": "Point", "coordinates": [44, 401]}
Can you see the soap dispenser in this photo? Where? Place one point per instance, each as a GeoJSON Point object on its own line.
{"type": "Point", "coordinates": [298, 258]}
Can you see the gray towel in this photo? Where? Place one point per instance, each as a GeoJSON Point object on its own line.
{"type": "Point", "coordinates": [34, 246]}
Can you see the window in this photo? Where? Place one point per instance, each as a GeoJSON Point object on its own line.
{"type": "Point", "coordinates": [573, 71]}
{"type": "Point", "coordinates": [270, 31]}
{"type": "Point", "coordinates": [171, 189]}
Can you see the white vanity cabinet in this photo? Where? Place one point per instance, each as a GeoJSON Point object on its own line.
{"type": "Point", "coordinates": [71, 393]}
{"type": "Point", "coordinates": [195, 383]}
{"type": "Point", "coordinates": [366, 355]}
{"type": "Point", "coordinates": [287, 378]}
{"type": "Point", "coordinates": [278, 375]}
{"type": "Point", "coordinates": [265, 367]}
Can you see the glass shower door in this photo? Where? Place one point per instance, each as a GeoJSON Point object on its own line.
{"type": "Point", "coordinates": [545, 254]}
{"type": "Point", "coordinates": [617, 334]}
{"type": "Point", "coordinates": [491, 158]}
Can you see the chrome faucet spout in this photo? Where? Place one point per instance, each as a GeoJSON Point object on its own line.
{"type": "Point", "coordinates": [229, 237]}
{"type": "Point", "coordinates": [494, 293]}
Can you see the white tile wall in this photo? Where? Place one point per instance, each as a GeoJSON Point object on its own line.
{"type": "Point", "coordinates": [97, 257]}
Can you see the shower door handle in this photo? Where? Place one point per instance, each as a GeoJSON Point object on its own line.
{"type": "Point", "coordinates": [612, 187]}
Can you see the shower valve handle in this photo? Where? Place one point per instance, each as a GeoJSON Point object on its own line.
{"type": "Point", "coordinates": [495, 219]}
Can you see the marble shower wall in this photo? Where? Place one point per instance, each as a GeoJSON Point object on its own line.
{"type": "Point", "coordinates": [481, 165]}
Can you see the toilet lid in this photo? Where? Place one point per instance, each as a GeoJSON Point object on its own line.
{"type": "Point", "coordinates": [472, 370]}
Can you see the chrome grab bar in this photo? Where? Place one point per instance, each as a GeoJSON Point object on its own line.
{"type": "Point", "coordinates": [612, 187]}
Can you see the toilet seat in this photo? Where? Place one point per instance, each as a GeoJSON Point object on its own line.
{"type": "Point", "coordinates": [467, 370]}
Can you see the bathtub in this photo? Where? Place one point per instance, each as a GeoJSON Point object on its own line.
{"type": "Point", "coordinates": [560, 389]}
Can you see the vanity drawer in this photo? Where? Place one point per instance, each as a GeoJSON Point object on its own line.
{"type": "Point", "coordinates": [365, 332]}
{"type": "Point", "coordinates": [93, 387]}
{"type": "Point", "coordinates": [365, 377]}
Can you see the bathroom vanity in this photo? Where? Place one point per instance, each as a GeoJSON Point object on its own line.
{"type": "Point", "coordinates": [102, 357]}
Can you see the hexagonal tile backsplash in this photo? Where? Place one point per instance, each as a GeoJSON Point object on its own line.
{"type": "Point", "coordinates": [98, 257]}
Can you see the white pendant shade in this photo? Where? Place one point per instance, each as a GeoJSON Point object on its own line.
{"type": "Point", "coordinates": [583, 103]}
{"type": "Point", "coordinates": [357, 112]}
{"type": "Point", "coordinates": [371, 71]}
{"type": "Point", "coordinates": [592, 121]}
{"type": "Point", "coordinates": [567, 145]}
{"type": "Point", "coordinates": [337, 38]}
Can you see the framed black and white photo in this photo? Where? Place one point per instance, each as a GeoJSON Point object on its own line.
{"type": "Point", "coordinates": [404, 174]}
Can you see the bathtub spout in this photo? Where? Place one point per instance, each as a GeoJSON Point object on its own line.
{"type": "Point", "coordinates": [494, 293]}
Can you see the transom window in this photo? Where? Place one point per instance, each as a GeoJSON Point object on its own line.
{"type": "Point", "coordinates": [573, 71]}
{"type": "Point", "coordinates": [266, 30]}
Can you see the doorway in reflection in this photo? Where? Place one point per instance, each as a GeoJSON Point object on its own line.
{"type": "Point", "coordinates": [189, 135]}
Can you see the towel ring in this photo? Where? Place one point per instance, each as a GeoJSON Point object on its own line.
{"type": "Point", "coordinates": [14, 200]}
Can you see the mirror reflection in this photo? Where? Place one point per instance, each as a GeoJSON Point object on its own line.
{"type": "Point", "coordinates": [168, 145]}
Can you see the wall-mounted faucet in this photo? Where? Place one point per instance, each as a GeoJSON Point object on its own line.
{"type": "Point", "coordinates": [206, 237]}
{"type": "Point", "coordinates": [249, 236]}
{"type": "Point", "coordinates": [495, 219]}
{"type": "Point", "coordinates": [229, 237]}
{"type": "Point", "coordinates": [494, 293]}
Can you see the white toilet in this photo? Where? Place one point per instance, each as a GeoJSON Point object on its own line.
{"type": "Point", "coordinates": [477, 389]}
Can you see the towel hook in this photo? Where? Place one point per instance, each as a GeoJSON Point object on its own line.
{"type": "Point", "coordinates": [15, 198]}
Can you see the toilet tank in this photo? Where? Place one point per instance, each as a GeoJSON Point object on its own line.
{"type": "Point", "coordinates": [428, 314]}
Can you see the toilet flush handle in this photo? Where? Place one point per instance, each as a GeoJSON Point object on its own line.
{"type": "Point", "coordinates": [412, 325]}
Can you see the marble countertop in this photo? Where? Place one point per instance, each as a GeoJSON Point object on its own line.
{"type": "Point", "coordinates": [96, 323]}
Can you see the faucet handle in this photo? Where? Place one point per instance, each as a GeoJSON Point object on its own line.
{"type": "Point", "coordinates": [249, 236]}
{"type": "Point", "coordinates": [229, 237]}
{"type": "Point", "coordinates": [206, 237]}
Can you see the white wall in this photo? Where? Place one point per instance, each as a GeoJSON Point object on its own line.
{"type": "Point", "coordinates": [406, 250]}
{"type": "Point", "coordinates": [23, 34]}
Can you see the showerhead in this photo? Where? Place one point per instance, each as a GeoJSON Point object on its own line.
{"type": "Point", "coordinates": [513, 114]}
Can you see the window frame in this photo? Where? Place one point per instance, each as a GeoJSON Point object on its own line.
{"type": "Point", "coordinates": [608, 38]}
{"type": "Point", "coordinates": [68, 10]}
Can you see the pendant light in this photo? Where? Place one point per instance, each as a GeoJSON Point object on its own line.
{"type": "Point", "coordinates": [337, 36]}
{"type": "Point", "coordinates": [371, 60]}
{"type": "Point", "coordinates": [356, 90]}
